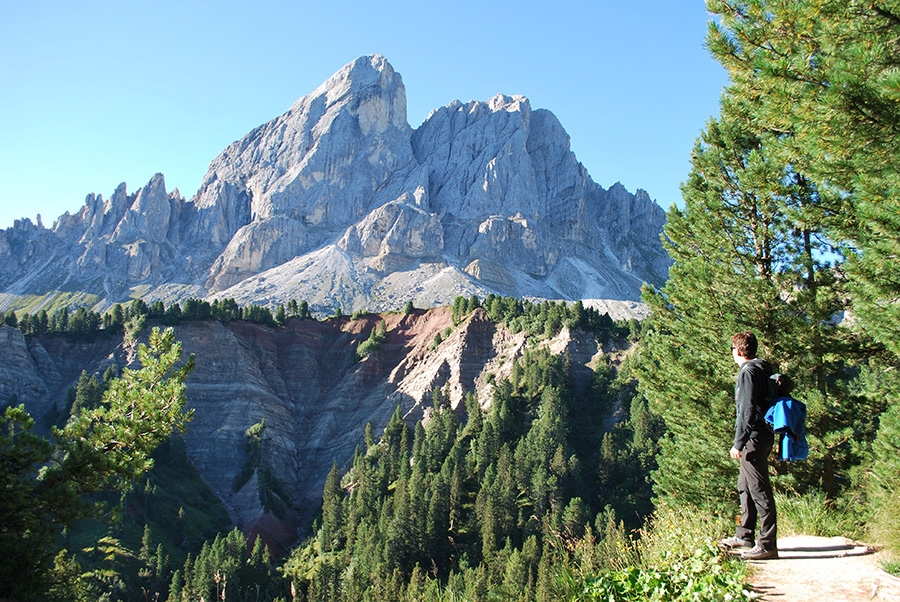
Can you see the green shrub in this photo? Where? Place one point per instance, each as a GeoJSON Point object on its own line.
{"type": "Point", "coordinates": [704, 576]}
{"type": "Point", "coordinates": [675, 557]}
{"type": "Point", "coordinates": [373, 343]}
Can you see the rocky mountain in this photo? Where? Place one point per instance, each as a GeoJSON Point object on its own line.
{"type": "Point", "coordinates": [302, 380]}
{"type": "Point", "coordinates": [340, 202]}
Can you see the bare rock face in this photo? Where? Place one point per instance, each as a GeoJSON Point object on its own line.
{"type": "Point", "coordinates": [515, 241]}
{"type": "Point", "coordinates": [322, 161]}
{"type": "Point", "coordinates": [491, 273]}
{"type": "Point", "coordinates": [147, 218]}
{"type": "Point", "coordinates": [256, 247]}
{"type": "Point", "coordinates": [39, 371]}
{"type": "Point", "coordinates": [104, 251]}
{"type": "Point", "coordinates": [477, 158]}
{"type": "Point", "coordinates": [402, 228]}
{"type": "Point", "coordinates": [23, 245]}
{"type": "Point", "coordinates": [20, 377]}
{"type": "Point", "coordinates": [486, 194]}
{"type": "Point", "coordinates": [513, 194]}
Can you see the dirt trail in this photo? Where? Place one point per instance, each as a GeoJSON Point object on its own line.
{"type": "Point", "coordinates": [821, 568]}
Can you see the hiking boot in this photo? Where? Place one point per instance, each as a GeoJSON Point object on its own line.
{"type": "Point", "coordinates": [758, 552]}
{"type": "Point", "coordinates": [735, 542]}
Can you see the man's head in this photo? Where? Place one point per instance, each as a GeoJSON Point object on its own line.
{"type": "Point", "coordinates": [743, 346]}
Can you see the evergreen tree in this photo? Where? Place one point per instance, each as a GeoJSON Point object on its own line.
{"type": "Point", "coordinates": [881, 479]}
{"type": "Point", "coordinates": [821, 75]}
{"type": "Point", "coordinates": [470, 513]}
{"type": "Point", "coordinates": [48, 484]}
{"type": "Point", "coordinates": [458, 313]}
{"type": "Point", "coordinates": [157, 309]}
{"type": "Point", "coordinates": [60, 320]}
{"type": "Point", "coordinates": [42, 324]}
{"type": "Point", "coordinates": [81, 321]}
{"type": "Point", "coordinates": [116, 317]}
{"type": "Point", "coordinates": [26, 324]}
{"type": "Point", "coordinates": [225, 310]}
{"type": "Point", "coordinates": [137, 308]}
{"type": "Point", "coordinates": [176, 586]}
{"type": "Point", "coordinates": [332, 511]}
{"type": "Point", "coordinates": [88, 393]}
{"type": "Point", "coordinates": [749, 253]}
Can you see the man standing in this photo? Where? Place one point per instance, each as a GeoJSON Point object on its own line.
{"type": "Point", "coordinates": [753, 440]}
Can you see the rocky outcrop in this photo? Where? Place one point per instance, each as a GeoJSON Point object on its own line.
{"type": "Point", "coordinates": [256, 247]}
{"type": "Point", "coordinates": [24, 372]}
{"type": "Point", "coordinates": [321, 162]}
{"type": "Point", "coordinates": [486, 195]}
{"type": "Point", "coordinates": [396, 232]}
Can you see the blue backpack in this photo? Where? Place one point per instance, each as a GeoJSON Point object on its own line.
{"type": "Point", "coordinates": [787, 416]}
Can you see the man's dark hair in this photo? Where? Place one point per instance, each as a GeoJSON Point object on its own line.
{"type": "Point", "coordinates": [745, 344]}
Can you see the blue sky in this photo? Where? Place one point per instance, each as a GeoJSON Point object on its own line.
{"type": "Point", "coordinates": [94, 93]}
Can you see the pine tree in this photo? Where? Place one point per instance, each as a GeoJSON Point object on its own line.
{"type": "Point", "coordinates": [88, 393]}
{"type": "Point", "coordinates": [468, 515]}
{"type": "Point", "coordinates": [821, 75]}
{"type": "Point", "coordinates": [106, 448]}
{"type": "Point", "coordinates": [881, 480]}
{"type": "Point", "coordinates": [332, 511]}
{"type": "Point", "coordinates": [748, 251]}
{"type": "Point", "coordinates": [146, 543]}
{"type": "Point", "coordinates": [176, 586]}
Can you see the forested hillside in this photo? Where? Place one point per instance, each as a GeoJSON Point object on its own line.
{"type": "Point", "coordinates": [157, 541]}
{"type": "Point", "coordinates": [485, 504]}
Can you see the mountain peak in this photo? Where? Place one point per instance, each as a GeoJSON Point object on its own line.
{"type": "Point", "coordinates": [340, 202]}
{"type": "Point", "coordinates": [366, 75]}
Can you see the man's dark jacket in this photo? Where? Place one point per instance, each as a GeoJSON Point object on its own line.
{"type": "Point", "coordinates": [752, 398]}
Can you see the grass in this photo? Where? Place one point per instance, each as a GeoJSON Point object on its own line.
{"type": "Point", "coordinates": [892, 567]}
{"type": "Point", "coordinates": [32, 304]}
{"type": "Point", "coordinates": [813, 514]}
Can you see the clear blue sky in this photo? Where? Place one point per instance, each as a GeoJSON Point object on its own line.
{"type": "Point", "coordinates": [94, 93]}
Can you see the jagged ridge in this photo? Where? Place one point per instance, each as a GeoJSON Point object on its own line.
{"type": "Point", "coordinates": [340, 202]}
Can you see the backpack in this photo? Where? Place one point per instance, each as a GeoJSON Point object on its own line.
{"type": "Point", "coordinates": [787, 416]}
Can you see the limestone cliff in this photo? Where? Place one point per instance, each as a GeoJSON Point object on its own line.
{"type": "Point", "coordinates": [340, 202]}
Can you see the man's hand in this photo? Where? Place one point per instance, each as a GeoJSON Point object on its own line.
{"type": "Point", "coordinates": [735, 453]}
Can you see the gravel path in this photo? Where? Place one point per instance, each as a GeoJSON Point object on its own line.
{"type": "Point", "coordinates": [821, 568]}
